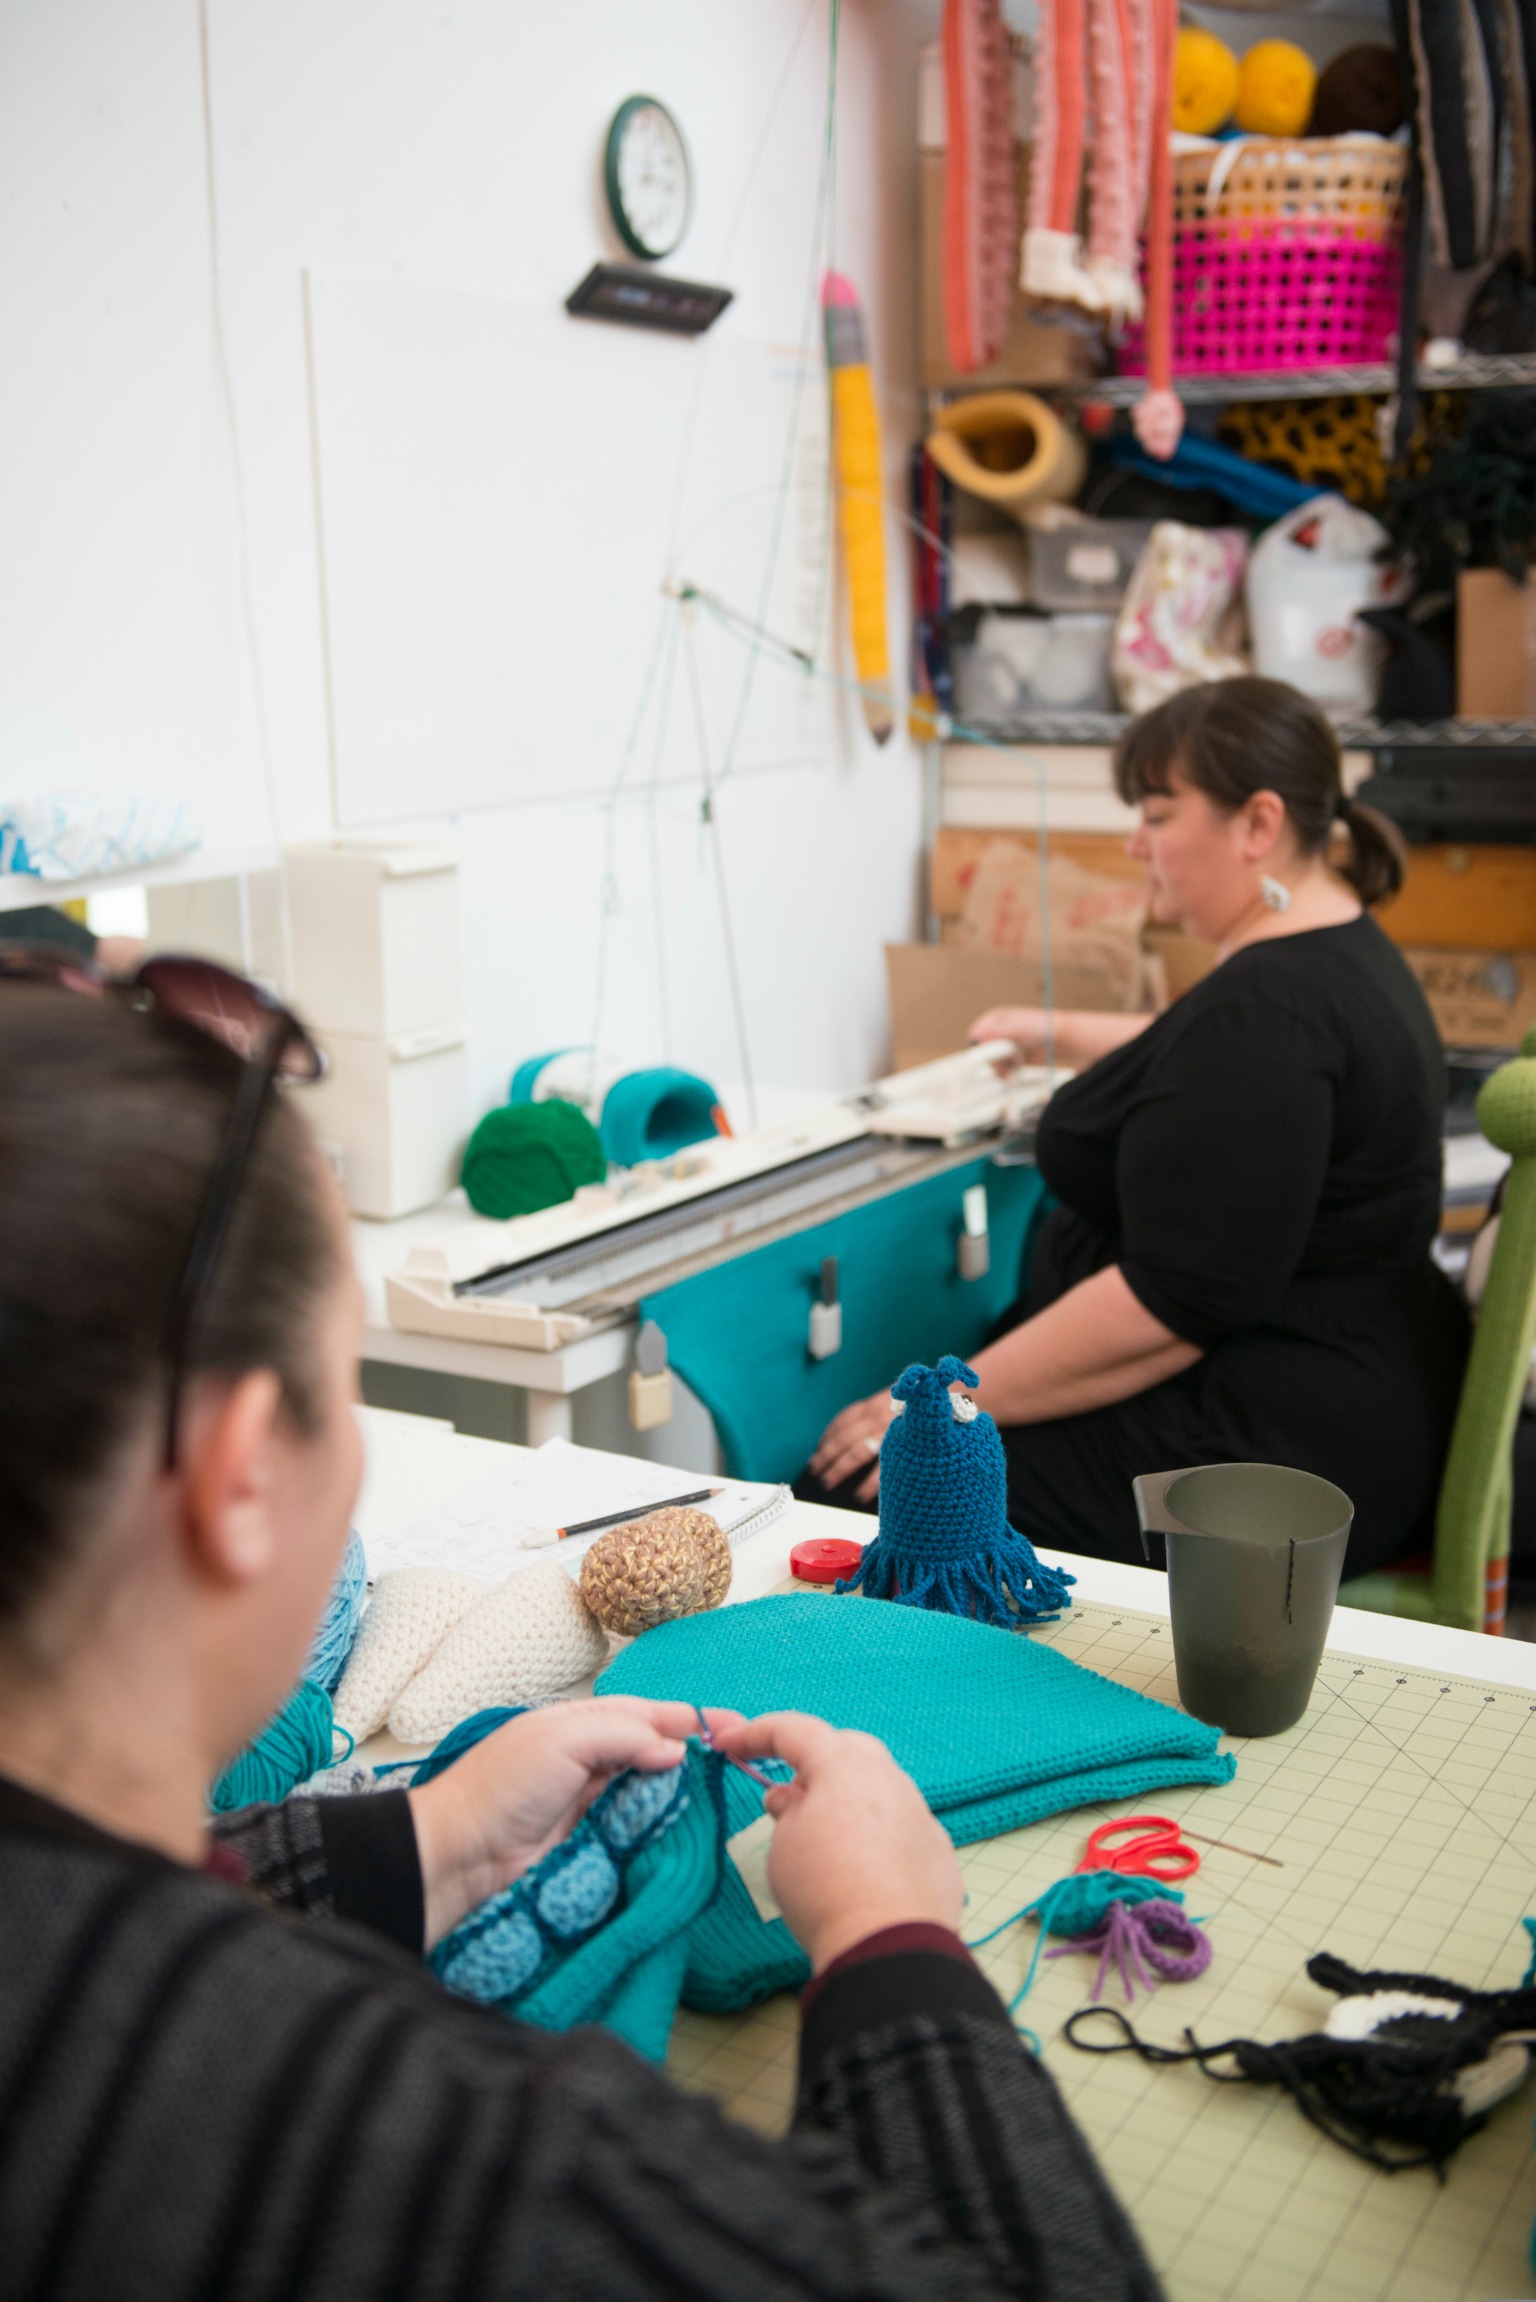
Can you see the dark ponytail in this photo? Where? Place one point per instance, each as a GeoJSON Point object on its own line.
{"type": "Point", "coordinates": [1377, 861]}
{"type": "Point", "coordinates": [1236, 737]}
{"type": "Point", "coordinates": [110, 1123]}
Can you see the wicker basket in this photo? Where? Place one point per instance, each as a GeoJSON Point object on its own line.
{"type": "Point", "coordinates": [1293, 260]}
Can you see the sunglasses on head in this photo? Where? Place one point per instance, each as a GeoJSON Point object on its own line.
{"type": "Point", "coordinates": [271, 1043]}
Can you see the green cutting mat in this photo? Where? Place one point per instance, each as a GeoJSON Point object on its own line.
{"type": "Point", "coordinates": [1400, 1816]}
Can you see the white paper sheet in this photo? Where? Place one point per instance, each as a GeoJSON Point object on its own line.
{"type": "Point", "coordinates": [480, 1531]}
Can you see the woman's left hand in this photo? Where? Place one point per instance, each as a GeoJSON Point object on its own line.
{"type": "Point", "coordinates": [851, 1442]}
{"type": "Point", "coordinates": [500, 1808]}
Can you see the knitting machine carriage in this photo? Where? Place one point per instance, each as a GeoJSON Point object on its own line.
{"type": "Point", "coordinates": [544, 1280]}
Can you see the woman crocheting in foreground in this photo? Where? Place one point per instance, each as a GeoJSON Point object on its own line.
{"type": "Point", "coordinates": [1237, 1267]}
{"type": "Point", "coordinates": [224, 2069]}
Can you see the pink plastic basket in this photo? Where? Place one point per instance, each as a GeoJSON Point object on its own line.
{"type": "Point", "coordinates": [1295, 262]}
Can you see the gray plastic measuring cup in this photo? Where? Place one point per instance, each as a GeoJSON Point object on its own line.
{"type": "Point", "coordinates": [1255, 1552]}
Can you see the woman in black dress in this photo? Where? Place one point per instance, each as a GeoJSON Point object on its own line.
{"type": "Point", "coordinates": [1238, 1264]}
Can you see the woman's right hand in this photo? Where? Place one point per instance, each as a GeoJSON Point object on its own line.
{"type": "Point", "coordinates": [855, 1849]}
{"type": "Point", "coordinates": [1027, 1027]}
{"type": "Point", "coordinates": [851, 1443]}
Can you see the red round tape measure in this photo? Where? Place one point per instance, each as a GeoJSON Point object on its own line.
{"type": "Point", "coordinates": [825, 1560]}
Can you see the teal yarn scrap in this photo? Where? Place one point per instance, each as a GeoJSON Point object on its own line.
{"type": "Point", "coordinates": [288, 1750]}
{"type": "Point", "coordinates": [599, 1930]}
{"type": "Point", "coordinates": [1075, 1906]}
{"type": "Point", "coordinates": [337, 1634]}
{"type": "Point", "coordinates": [944, 1539]}
{"type": "Point", "coordinates": [524, 1156]}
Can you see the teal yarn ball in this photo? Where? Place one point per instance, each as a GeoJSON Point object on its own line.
{"type": "Point", "coordinates": [525, 1156]}
{"type": "Point", "coordinates": [339, 1624]}
{"type": "Point", "coordinates": [288, 1750]}
{"type": "Point", "coordinates": [651, 1114]}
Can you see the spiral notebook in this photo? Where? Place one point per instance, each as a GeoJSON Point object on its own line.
{"type": "Point", "coordinates": [481, 1530]}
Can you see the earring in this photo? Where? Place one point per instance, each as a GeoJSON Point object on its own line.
{"type": "Point", "coordinates": [1275, 893]}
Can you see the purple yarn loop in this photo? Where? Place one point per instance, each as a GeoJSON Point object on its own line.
{"type": "Point", "coordinates": [1143, 1942]}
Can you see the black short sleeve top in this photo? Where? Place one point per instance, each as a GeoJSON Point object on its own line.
{"type": "Point", "coordinates": [1281, 1122]}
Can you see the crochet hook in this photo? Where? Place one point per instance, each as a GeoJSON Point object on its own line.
{"type": "Point", "coordinates": [537, 1537]}
{"type": "Point", "coordinates": [740, 1764]}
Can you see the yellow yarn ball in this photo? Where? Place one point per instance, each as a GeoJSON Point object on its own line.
{"type": "Point", "coordinates": [1276, 84]}
{"type": "Point", "coordinates": [1205, 77]}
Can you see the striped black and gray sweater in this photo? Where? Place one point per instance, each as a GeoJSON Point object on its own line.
{"type": "Point", "coordinates": [202, 2097]}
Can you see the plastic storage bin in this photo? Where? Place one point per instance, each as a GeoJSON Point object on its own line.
{"type": "Point", "coordinates": [1034, 663]}
{"type": "Point", "coordinates": [1287, 253]}
{"type": "Point", "coordinates": [1085, 568]}
{"type": "Point", "coordinates": [395, 1114]}
{"type": "Point", "coordinates": [377, 940]}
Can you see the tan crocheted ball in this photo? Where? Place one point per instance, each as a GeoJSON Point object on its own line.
{"type": "Point", "coordinates": [655, 1569]}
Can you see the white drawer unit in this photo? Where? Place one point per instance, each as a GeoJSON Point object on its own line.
{"type": "Point", "coordinates": [377, 939]}
{"type": "Point", "coordinates": [393, 1115]}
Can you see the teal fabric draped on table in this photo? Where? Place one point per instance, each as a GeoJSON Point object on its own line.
{"type": "Point", "coordinates": [737, 1334]}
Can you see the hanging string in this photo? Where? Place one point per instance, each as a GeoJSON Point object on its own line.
{"type": "Point", "coordinates": [225, 375]}
{"type": "Point", "coordinates": [824, 185]}
{"type": "Point", "coordinates": [711, 822]}
{"type": "Point", "coordinates": [608, 897]}
{"type": "Point", "coordinates": [653, 832]}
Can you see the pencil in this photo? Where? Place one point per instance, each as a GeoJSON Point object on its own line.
{"type": "Point", "coordinates": [537, 1537]}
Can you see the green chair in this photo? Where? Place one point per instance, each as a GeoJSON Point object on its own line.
{"type": "Point", "coordinates": [1468, 1585]}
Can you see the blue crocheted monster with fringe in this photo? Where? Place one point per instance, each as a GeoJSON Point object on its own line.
{"type": "Point", "coordinates": [944, 1539]}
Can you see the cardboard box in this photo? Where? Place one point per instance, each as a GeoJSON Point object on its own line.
{"type": "Point", "coordinates": [1075, 917]}
{"type": "Point", "coordinates": [1176, 962]}
{"type": "Point", "coordinates": [937, 993]}
{"type": "Point", "coordinates": [1478, 998]}
{"type": "Point", "coordinates": [1495, 645]}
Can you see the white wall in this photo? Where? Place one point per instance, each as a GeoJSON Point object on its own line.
{"type": "Point", "coordinates": [450, 148]}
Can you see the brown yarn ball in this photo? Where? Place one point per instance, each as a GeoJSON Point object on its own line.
{"type": "Point", "coordinates": [652, 1570]}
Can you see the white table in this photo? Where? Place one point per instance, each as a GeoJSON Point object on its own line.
{"type": "Point", "coordinates": [413, 1462]}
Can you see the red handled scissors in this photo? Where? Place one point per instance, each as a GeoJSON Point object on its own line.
{"type": "Point", "coordinates": [1158, 1853]}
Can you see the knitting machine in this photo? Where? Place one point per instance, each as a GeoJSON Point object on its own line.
{"type": "Point", "coordinates": [547, 1279]}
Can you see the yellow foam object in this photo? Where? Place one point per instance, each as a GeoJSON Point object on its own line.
{"type": "Point", "coordinates": [1205, 78]}
{"type": "Point", "coordinates": [856, 429]}
{"type": "Point", "coordinates": [1010, 449]}
{"type": "Point", "coordinates": [1277, 82]}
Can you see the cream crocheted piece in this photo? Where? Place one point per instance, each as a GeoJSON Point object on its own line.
{"type": "Point", "coordinates": [410, 1614]}
{"type": "Point", "coordinates": [527, 1637]}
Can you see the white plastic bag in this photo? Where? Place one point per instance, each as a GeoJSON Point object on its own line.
{"type": "Point", "coordinates": [1168, 633]}
{"type": "Point", "coordinates": [1308, 578]}
{"type": "Point", "coordinates": [75, 834]}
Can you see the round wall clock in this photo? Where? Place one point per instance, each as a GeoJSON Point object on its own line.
{"type": "Point", "coordinates": [650, 190]}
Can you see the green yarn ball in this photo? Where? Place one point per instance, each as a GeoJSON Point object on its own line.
{"type": "Point", "coordinates": [525, 1156]}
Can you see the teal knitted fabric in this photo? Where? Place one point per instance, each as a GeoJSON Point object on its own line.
{"type": "Point", "coordinates": [996, 1732]}
{"type": "Point", "coordinates": [944, 1538]}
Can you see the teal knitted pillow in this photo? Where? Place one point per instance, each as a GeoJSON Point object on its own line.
{"type": "Point", "coordinates": [995, 1731]}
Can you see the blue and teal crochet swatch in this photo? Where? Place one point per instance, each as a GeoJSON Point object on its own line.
{"type": "Point", "coordinates": [599, 1930]}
